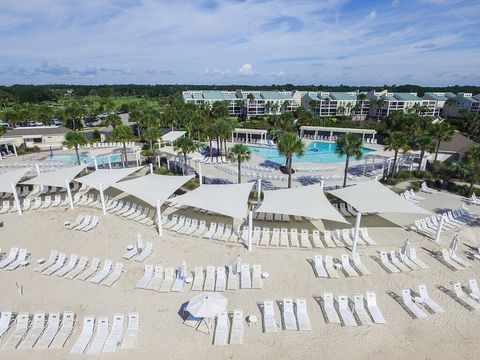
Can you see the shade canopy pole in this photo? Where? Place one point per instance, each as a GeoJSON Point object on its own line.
{"type": "Point", "coordinates": [356, 231]}
{"type": "Point", "coordinates": [17, 200]}
{"type": "Point", "coordinates": [322, 183]}
{"type": "Point", "coordinates": [109, 162]}
{"type": "Point", "coordinates": [250, 221]}
{"type": "Point", "coordinates": [102, 198]}
{"type": "Point", "coordinates": [200, 179]}
{"type": "Point", "coordinates": [159, 219]}
{"type": "Point", "coordinates": [95, 163]}
{"type": "Point", "coordinates": [151, 168]}
{"type": "Point", "coordinates": [259, 188]}
{"type": "Point", "coordinates": [69, 192]}
{"type": "Point", "coordinates": [37, 168]}
{"type": "Point", "coordinates": [439, 230]}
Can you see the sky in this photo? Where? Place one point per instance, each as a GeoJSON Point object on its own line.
{"type": "Point", "coordinates": [249, 42]}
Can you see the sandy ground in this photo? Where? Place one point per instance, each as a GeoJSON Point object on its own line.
{"type": "Point", "coordinates": [452, 335]}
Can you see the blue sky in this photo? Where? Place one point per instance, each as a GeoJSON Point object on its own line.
{"type": "Point", "coordinates": [330, 42]}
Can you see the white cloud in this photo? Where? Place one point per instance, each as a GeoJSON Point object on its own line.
{"type": "Point", "coordinates": [372, 15]}
{"type": "Point", "coordinates": [246, 70]}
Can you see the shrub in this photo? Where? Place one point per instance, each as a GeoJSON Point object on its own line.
{"type": "Point", "coordinates": [162, 171]}
{"type": "Point", "coordinates": [147, 152]}
{"type": "Point", "coordinates": [27, 150]}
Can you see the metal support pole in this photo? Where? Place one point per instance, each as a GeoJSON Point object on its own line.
{"type": "Point", "coordinates": [151, 168]}
{"type": "Point", "coordinates": [17, 200]}
{"type": "Point", "coordinates": [259, 189]}
{"type": "Point", "coordinates": [37, 168]}
{"type": "Point", "coordinates": [69, 192]}
{"type": "Point", "coordinates": [357, 229]}
{"type": "Point", "coordinates": [250, 224]}
{"type": "Point", "coordinates": [96, 163]}
{"type": "Point", "coordinates": [102, 199]}
{"type": "Point", "coordinates": [322, 183]}
{"type": "Point", "coordinates": [109, 162]}
{"type": "Point", "coordinates": [159, 219]}
{"type": "Point", "coordinates": [200, 177]}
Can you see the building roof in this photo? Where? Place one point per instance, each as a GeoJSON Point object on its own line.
{"type": "Point", "coordinates": [459, 144]}
{"type": "Point", "coordinates": [342, 96]}
{"type": "Point", "coordinates": [173, 135]}
{"type": "Point", "coordinates": [435, 96]}
{"type": "Point", "coordinates": [406, 97]}
{"type": "Point", "coordinates": [38, 130]}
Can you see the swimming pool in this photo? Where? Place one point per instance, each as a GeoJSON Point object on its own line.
{"type": "Point", "coordinates": [101, 160]}
{"type": "Point", "coordinates": [316, 152]}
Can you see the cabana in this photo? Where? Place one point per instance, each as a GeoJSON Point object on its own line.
{"type": "Point", "coordinates": [249, 134]}
{"type": "Point", "coordinates": [59, 178]}
{"type": "Point", "coordinates": [5, 142]}
{"type": "Point", "coordinates": [334, 130]}
{"type": "Point", "coordinates": [307, 201]}
{"type": "Point", "coordinates": [153, 189]}
{"type": "Point", "coordinates": [229, 200]}
{"type": "Point", "coordinates": [104, 178]}
{"type": "Point", "coordinates": [373, 197]}
{"type": "Point", "coordinates": [172, 136]}
{"type": "Point", "coordinates": [8, 183]}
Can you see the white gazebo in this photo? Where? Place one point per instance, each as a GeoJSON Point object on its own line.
{"type": "Point", "coordinates": [172, 136]}
{"type": "Point", "coordinates": [4, 143]}
{"type": "Point", "coordinates": [153, 189]}
{"type": "Point", "coordinates": [103, 178]}
{"type": "Point", "coordinates": [373, 197]}
{"type": "Point", "coordinates": [249, 134]}
{"type": "Point", "coordinates": [8, 183]}
{"type": "Point", "coordinates": [60, 178]}
{"type": "Point", "coordinates": [229, 200]}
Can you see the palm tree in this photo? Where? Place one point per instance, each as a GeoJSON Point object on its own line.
{"type": "Point", "coordinates": [123, 134]}
{"type": "Point", "coordinates": [473, 160]}
{"type": "Point", "coordinates": [349, 145]}
{"type": "Point", "coordinates": [290, 144]}
{"type": "Point", "coordinates": [442, 132]}
{"type": "Point", "coordinates": [185, 146]}
{"type": "Point", "coordinates": [2, 130]}
{"type": "Point", "coordinates": [396, 141]}
{"type": "Point", "coordinates": [239, 153]}
{"type": "Point", "coordinates": [361, 97]}
{"type": "Point", "coordinates": [74, 139]}
{"type": "Point", "coordinates": [379, 104]}
{"type": "Point", "coordinates": [112, 120]}
{"type": "Point", "coordinates": [151, 135]}
{"type": "Point", "coordinates": [424, 142]}
{"type": "Point", "coordinates": [448, 103]}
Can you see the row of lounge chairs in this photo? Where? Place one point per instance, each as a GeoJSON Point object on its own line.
{"type": "Point", "coordinates": [36, 205]}
{"type": "Point", "coordinates": [37, 331]}
{"type": "Point", "coordinates": [156, 279]}
{"type": "Point", "coordinates": [452, 220]}
{"type": "Point", "coordinates": [452, 260]}
{"type": "Point", "coordinates": [473, 200]}
{"type": "Point", "coordinates": [98, 336]}
{"type": "Point", "coordinates": [77, 268]}
{"type": "Point", "coordinates": [326, 268]}
{"type": "Point", "coordinates": [14, 259]}
{"type": "Point", "coordinates": [294, 315]}
{"type": "Point", "coordinates": [394, 262]}
{"type": "Point", "coordinates": [83, 223]}
{"type": "Point", "coordinates": [137, 251]}
{"type": "Point", "coordinates": [469, 299]}
{"type": "Point", "coordinates": [229, 328]}
{"type": "Point", "coordinates": [97, 145]}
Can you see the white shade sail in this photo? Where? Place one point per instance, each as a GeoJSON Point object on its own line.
{"type": "Point", "coordinates": [152, 187]}
{"type": "Point", "coordinates": [173, 135]}
{"type": "Point", "coordinates": [373, 197]}
{"type": "Point", "coordinates": [307, 201]}
{"type": "Point", "coordinates": [56, 178]}
{"type": "Point", "coordinates": [230, 200]}
{"type": "Point", "coordinates": [9, 178]}
{"type": "Point", "coordinates": [106, 177]}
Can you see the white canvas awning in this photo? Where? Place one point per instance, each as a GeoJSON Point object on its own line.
{"type": "Point", "coordinates": [106, 177]}
{"type": "Point", "coordinates": [152, 187]}
{"type": "Point", "coordinates": [307, 201]}
{"type": "Point", "coordinates": [9, 178]}
{"type": "Point", "coordinates": [56, 178]}
{"type": "Point", "coordinates": [173, 135]}
{"type": "Point", "coordinates": [230, 200]}
{"type": "Point", "coordinates": [373, 197]}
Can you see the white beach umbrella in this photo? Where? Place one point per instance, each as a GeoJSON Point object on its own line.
{"type": "Point", "coordinates": [208, 304]}
{"type": "Point", "coordinates": [453, 245]}
{"type": "Point", "coordinates": [405, 249]}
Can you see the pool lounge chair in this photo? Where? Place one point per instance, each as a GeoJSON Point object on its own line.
{"type": "Point", "coordinates": [289, 322]}
{"type": "Point", "coordinates": [92, 269]}
{"type": "Point", "coordinates": [269, 323]}
{"type": "Point", "coordinates": [113, 339]}
{"type": "Point", "coordinates": [360, 311]}
{"type": "Point", "coordinates": [237, 329]}
{"type": "Point", "coordinates": [107, 267]}
{"type": "Point", "coordinates": [81, 265]}
{"type": "Point", "coordinates": [130, 339]}
{"type": "Point", "coordinates": [22, 323]}
{"type": "Point", "coordinates": [373, 308]}
{"type": "Point", "coordinates": [53, 325]}
{"type": "Point", "coordinates": [38, 325]}
{"type": "Point", "coordinates": [221, 329]}
{"type": "Point", "coordinates": [345, 312]}
{"type": "Point", "coordinates": [100, 337]}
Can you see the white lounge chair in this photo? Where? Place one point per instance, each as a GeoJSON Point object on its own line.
{"type": "Point", "coordinates": [387, 264]}
{"type": "Point", "coordinates": [425, 188]}
{"type": "Point", "coordinates": [130, 339]}
{"type": "Point", "coordinates": [275, 241]}
{"type": "Point", "coordinates": [221, 329]}
{"type": "Point", "coordinates": [72, 262]}
{"type": "Point", "coordinates": [46, 264]}
{"type": "Point", "coordinates": [232, 279]}
{"type": "Point", "coordinates": [81, 265]}
{"type": "Point", "coordinates": [146, 252]}
{"type": "Point", "coordinates": [289, 321]}
{"type": "Point", "coordinates": [245, 277]}
{"type": "Point", "coordinates": [211, 231]}
{"type": "Point", "coordinates": [269, 322]}
{"type": "Point", "coordinates": [167, 280]}
{"type": "Point", "coordinates": [114, 276]}
{"type": "Point", "coordinates": [147, 276]}
{"type": "Point", "coordinates": [347, 267]}
{"type": "Point", "coordinates": [115, 335]}
{"type": "Point", "coordinates": [38, 325]}
{"type": "Point", "coordinates": [448, 260]}
{"type": "Point", "coordinates": [425, 298]}
{"type": "Point", "coordinates": [330, 267]}
{"type": "Point", "coordinates": [198, 279]}
{"type": "Point", "coordinates": [53, 325]}
{"type": "Point", "coordinates": [373, 308]}
{"type": "Point", "coordinates": [397, 263]}
{"type": "Point", "coordinates": [329, 308]}
{"type": "Point", "coordinates": [19, 261]}
{"type": "Point", "coordinates": [359, 309]}
{"type": "Point", "coordinates": [209, 284]}
{"type": "Point", "coordinates": [460, 294]}
{"type": "Point", "coordinates": [92, 224]}
{"type": "Point", "coordinates": [327, 236]}
{"type": "Point", "coordinates": [22, 323]}
{"type": "Point", "coordinates": [85, 336]}
{"type": "Point", "coordinates": [57, 265]}
{"type": "Point", "coordinates": [84, 223]}
{"type": "Point", "coordinates": [221, 280]}
{"type": "Point", "coordinates": [156, 280]}
{"type": "Point", "coordinates": [345, 312]}
{"type": "Point", "coordinates": [303, 321]}
{"type": "Point", "coordinates": [68, 322]}
{"type": "Point", "coordinates": [100, 337]}
{"type": "Point", "coordinates": [414, 309]}
{"type": "Point", "coordinates": [320, 271]}
{"type": "Point", "coordinates": [5, 322]}
{"type": "Point", "coordinates": [76, 223]}
{"type": "Point", "coordinates": [357, 262]}
{"type": "Point", "coordinates": [92, 269]}
{"type": "Point", "coordinates": [237, 329]}
{"type": "Point", "coordinates": [107, 267]}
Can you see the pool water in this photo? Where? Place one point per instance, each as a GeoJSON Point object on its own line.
{"type": "Point", "coordinates": [316, 152]}
{"type": "Point", "coordinates": [101, 160]}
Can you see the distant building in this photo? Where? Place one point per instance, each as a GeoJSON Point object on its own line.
{"type": "Point", "coordinates": [41, 136]}
{"type": "Point", "coordinates": [455, 148]}
{"type": "Point", "coordinates": [463, 102]}
{"type": "Point", "coordinates": [249, 103]}
{"type": "Point", "coordinates": [324, 103]}
{"type": "Point", "coordinates": [436, 102]}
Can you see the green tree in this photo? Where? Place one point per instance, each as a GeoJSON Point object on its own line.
{"type": "Point", "coordinates": [442, 132]}
{"type": "Point", "coordinates": [185, 146]}
{"type": "Point", "coordinates": [43, 113]}
{"type": "Point", "coordinates": [379, 103]}
{"type": "Point", "coordinates": [2, 130]}
{"type": "Point", "coordinates": [74, 139]}
{"type": "Point", "coordinates": [151, 135]}
{"type": "Point", "coordinates": [290, 144]}
{"type": "Point", "coordinates": [473, 161]}
{"type": "Point", "coordinates": [396, 141]}
{"type": "Point", "coordinates": [425, 142]}
{"type": "Point", "coordinates": [448, 104]}
{"type": "Point", "coordinates": [123, 134]}
{"type": "Point", "coordinates": [239, 153]}
{"type": "Point", "coordinates": [112, 120]}
{"type": "Point", "coordinates": [349, 145]}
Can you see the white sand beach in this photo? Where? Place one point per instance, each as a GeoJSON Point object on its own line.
{"type": "Point", "coordinates": [162, 334]}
